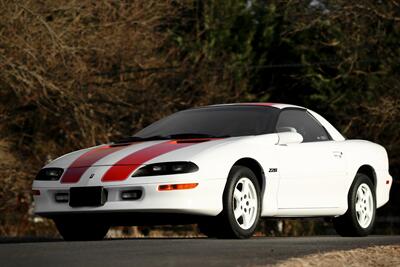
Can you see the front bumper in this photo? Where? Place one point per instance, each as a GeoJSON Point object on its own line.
{"type": "Point", "coordinates": [205, 199]}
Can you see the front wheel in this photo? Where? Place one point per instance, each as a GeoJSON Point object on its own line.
{"type": "Point", "coordinates": [359, 219]}
{"type": "Point", "coordinates": [242, 205]}
{"type": "Point", "coordinates": [81, 228]}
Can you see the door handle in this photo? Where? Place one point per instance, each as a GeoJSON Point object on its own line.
{"type": "Point", "coordinates": [337, 154]}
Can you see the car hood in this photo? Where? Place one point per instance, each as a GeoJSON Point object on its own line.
{"type": "Point", "coordinates": [139, 153]}
{"type": "Point", "coordinates": [136, 153]}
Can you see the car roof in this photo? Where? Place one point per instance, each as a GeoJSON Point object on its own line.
{"type": "Point", "coordinates": [335, 134]}
{"type": "Point", "coordinates": [267, 104]}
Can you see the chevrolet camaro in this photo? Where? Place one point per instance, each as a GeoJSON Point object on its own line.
{"type": "Point", "coordinates": [222, 167]}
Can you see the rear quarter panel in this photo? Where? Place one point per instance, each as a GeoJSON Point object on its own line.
{"type": "Point", "coordinates": [361, 152]}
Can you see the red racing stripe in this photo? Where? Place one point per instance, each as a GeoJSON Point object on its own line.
{"type": "Point", "coordinates": [121, 170]}
{"type": "Point", "coordinates": [80, 165]}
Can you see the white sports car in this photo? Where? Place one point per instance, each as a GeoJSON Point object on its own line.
{"type": "Point", "coordinates": [223, 167]}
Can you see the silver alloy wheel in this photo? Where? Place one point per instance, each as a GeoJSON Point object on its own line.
{"type": "Point", "coordinates": [364, 205]}
{"type": "Point", "coordinates": [245, 203]}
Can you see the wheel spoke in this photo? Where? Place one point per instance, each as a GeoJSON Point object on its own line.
{"type": "Point", "coordinates": [237, 195]}
{"type": "Point", "coordinates": [252, 211]}
{"type": "Point", "coordinates": [370, 204]}
{"type": "Point", "coordinates": [245, 219]}
{"type": "Point", "coordinates": [245, 187]}
{"type": "Point", "coordinates": [252, 203]}
{"type": "Point", "coordinates": [359, 214]}
{"type": "Point", "coordinates": [366, 217]}
{"type": "Point", "coordinates": [358, 207]}
{"type": "Point", "coordinates": [237, 212]}
{"type": "Point", "coordinates": [362, 217]}
{"type": "Point", "coordinates": [359, 195]}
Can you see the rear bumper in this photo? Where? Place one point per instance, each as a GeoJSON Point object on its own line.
{"type": "Point", "coordinates": [205, 199]}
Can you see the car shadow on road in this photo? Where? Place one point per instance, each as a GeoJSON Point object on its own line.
{"type": "Point", "coordinates": [10, 240]}
{"type": "Point", "coordinates": [16, 240]}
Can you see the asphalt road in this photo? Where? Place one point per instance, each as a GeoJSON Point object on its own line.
{"type": "Point", "coordinates": [174, 252]}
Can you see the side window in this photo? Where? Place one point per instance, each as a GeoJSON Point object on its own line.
{"type": "Point", "coordinates": [300, 121]}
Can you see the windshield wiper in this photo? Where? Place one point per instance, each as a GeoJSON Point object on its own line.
{"type": "Point", "coordinates": [195, 135]}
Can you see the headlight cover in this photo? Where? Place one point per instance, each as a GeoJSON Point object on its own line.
{"type": "Point", "coordinates": [166, 168]}
{"type": "Point", "coordinates": [49, 174]}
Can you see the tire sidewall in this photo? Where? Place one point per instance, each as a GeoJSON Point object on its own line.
{"type": "Point", "coordinates": [235, 175]}
{"type": "Point", "coordinates": [361, 179]}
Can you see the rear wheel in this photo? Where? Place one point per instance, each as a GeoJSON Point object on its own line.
{"type": "Point", "coordinates": [359, 219]}
{"type": "Point", "coordinates": [241, 201]}
{"type": "Point", "coordinates": [81, 228]}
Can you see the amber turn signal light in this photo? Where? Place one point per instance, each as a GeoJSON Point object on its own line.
{"type": "Point", "coordinates": [168, 187]}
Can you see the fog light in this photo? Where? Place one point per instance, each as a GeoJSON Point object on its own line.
{"type": "Point", "coordinates": [131, 194]}
{"type": "Point", "coordinates": [62, 197]}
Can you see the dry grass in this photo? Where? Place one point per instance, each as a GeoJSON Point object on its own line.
{"type": "Point", "coordinates": [361, 257]}
{"type": "Point", "coordinates": [182, 231]}
{"type": "Point", "coordinates": [54, 97]}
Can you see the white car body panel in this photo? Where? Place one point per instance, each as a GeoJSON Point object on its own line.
{"type": "Point", "coordinates": [311, 179]}
{"type": "Point", "coordinates": [311, 175]}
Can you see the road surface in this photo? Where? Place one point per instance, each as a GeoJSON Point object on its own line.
{"type": "Point", "coordinates": [174, 252]}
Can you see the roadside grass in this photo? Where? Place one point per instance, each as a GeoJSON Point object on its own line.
{"type": "Point", "coordinates": [377, 256]}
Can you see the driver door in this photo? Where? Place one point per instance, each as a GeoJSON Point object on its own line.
{"type": "Point", "coordinates": [311, 173]}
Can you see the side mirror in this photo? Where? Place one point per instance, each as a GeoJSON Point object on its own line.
{"type": "Point", "coordinates": [286, 138]}
{"type": "Point", "coordinates": [286, 129]}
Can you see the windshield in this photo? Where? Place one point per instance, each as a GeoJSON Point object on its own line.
{"type": "Point", "coordinates": [219, 121]}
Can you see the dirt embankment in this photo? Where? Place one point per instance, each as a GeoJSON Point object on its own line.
{"type": "Point", "coordinates": [361, 257]}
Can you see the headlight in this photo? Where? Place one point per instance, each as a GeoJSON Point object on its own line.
{"type": "Point", "coordinates": [49, 174]}
{"type": "Point", "coordinates": [166, 168]}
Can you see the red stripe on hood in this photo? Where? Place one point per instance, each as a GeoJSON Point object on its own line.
{"type": "Point", "coordinates": [121, 170]}
{"type": "Point", "coordinates": [81, 164]}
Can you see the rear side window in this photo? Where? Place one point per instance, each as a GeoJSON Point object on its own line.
{"type": "Point", "coordinates": [296, 120]}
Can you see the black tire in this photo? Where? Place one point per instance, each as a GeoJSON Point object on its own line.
{"type": "Point", "coordinates": [348, 224]}
{"type": "Point", "coordinates": [81, 228]}
{"type": "Point", "coordinates": [225, 225]}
